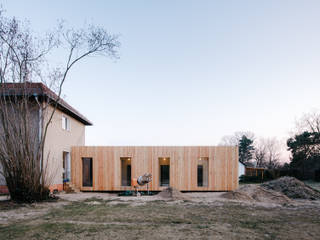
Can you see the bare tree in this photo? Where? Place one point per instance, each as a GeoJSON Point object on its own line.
{"type": "Point", "coordinates": [260, 155]}
{"type": "Point", "coordinates": [229, 140]}
{"type": "Point", "coordinates": [267, 153]}
{"type": "Point", "coordinates": [309, 122]}
{"type": "Point", "coordinates": [25, 58]}
{"type": "Point", "coordinates": [233, 140]}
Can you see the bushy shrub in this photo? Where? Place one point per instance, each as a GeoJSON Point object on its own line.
{"type": "Point", "coordinates": [250, 179]}
{"type": "Point", "coordinates": [271, 174]}
{"type": "Point", "coordinates": [30, 195]}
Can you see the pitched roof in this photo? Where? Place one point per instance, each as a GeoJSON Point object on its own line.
{"type": "Point", "coordinates": [41, 90]}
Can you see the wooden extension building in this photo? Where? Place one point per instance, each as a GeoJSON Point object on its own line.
{"type": "Point", "coordinates": [194, 168]}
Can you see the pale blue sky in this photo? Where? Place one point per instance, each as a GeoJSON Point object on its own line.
{"type": "Point", "coordinates": [191, 72]}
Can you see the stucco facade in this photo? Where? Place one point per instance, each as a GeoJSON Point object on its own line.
{"type": "Point", "coordinates": [58, 141]}
{"type": "Point", "coordinates": [59, 138]}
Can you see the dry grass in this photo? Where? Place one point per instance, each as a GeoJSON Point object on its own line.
{"type": "Point", "coordinates": [114, 219]}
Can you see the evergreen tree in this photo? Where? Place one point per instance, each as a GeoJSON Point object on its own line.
{"type": "Point", "coordinates": [305, 149]}
{"type": "Point", "coordinates": [245, 149]}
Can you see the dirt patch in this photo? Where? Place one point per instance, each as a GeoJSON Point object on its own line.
{"type": "Point", "coordinates": [172, 194]}
{"type": "Point", "coordinates": [94, 203]}
{"type": "Point", "coordinates": [15, 212]}
{"type": "Point", "coordinates": [279, 191]}
{"type": "Point", "coordinates": [9, 205]}
{"type": "Point", "coordinates": [293, 188]}
{"type": "Point", "coordinates": [86, 195]}
{"type": "Point", "coordinates": [237, 195]}
{"type": "Point", "coordinates": [257, 193]}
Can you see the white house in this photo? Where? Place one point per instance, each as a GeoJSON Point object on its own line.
{"type": "Point", "coordinates": [241, 169]}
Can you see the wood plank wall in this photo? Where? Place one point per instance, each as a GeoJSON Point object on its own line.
{"type": "Point", "coordinates": [223, 166]}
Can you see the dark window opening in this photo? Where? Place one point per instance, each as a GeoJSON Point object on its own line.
{"type": "Point", "coordinates": [87, 172]}
{"type": "Point", "coordinates": [203, 172]}
{"type": "Point", "coordinates": [164, 171]}
{"type": "Point", "coordinates": [165, 175]}
{"type": "Point", "coordinates": [125, 171]}
{"type": "Point", "coordinates": [200, 176]}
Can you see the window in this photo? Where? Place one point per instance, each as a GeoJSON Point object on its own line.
{"type": "Point", "coordinates": [125, 171]}
{"type": "Point", "coordinates": [66, 166]}
{"type": "Point", "coordinates": [203, 172]}
{"type": "Point", "coordinates": [164, 164]}
{"type": "Point", "coordinates": [200, 175]}
{"type": "Point", "coordinates": [87, 172]}
{"type": "Point", "coordinates": [65, 123]}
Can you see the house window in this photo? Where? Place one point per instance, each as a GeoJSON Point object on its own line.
{"type": "Point", "coordinates": [66, 123]}
{"type": "Point", "coordinates": [200, 175]}
{"type": "Point", "coordinates": [164, 164]}
{"type": "Point", "coordinates": [203, 172]}
{"type": "Point", "coordinates": [125, 171]}
{"type": "Point", "coordinates": [66, 166]}
{"type": "Point", "coordinates": [87, 172]}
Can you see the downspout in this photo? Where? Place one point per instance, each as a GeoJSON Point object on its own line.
{"type": "Point", "coordinates": [40, 121]}
{"type": "Point", "coordinates": [40, 126]}
{"type": "Point", "coordinates": [40, 133]}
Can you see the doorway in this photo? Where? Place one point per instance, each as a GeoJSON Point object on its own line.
{"type": "Point", "coordinates": [125, 171]}
{"type": "Point", "coordinates": [66, 166]}
{"type": "Point", "coordinates": [87, 172]}
{"type": "Point", "coordinates": [164, 164]}
{"type": "Point", "coordinates": [203, 172]}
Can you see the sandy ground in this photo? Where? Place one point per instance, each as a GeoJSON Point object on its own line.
{"type": "Point", "coordinates": [203, 198]}
{"type": "Point", "coordinates": [36, 209]}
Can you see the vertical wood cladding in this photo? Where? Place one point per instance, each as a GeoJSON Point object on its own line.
{"type": "Point", "coordinates": [106, 166]}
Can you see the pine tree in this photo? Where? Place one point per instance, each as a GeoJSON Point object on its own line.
{"type": "Point", "coordinates": [245, 149]}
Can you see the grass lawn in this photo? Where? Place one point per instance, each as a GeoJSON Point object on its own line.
{"type": "Point", "coordinates": [107, 219]}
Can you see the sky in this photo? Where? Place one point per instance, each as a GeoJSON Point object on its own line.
{"type": "Point", "coordinates": [190, 72]}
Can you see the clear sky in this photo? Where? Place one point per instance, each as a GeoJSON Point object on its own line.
{"type": "Point", "coordinates": [191, 72]}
